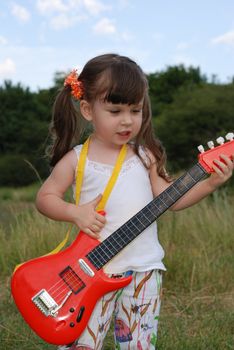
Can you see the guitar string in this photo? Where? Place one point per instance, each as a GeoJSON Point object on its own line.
{"type": "Point", "coordinates": [76, 284]}
{"type": "Point", "coordinates": [124, 231]}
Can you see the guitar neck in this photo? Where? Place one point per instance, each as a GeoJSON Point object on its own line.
{"type": "Point", "coordinates": [119, 239]}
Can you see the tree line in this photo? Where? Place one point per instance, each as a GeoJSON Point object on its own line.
{"type": "Point", "coordinates": [187, 111]}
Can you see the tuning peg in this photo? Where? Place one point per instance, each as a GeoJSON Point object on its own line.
{"type": "Point", "coordinates": [229, 136]}
{"type": "Point", "coordinates": [201, 149]}
{"type": "Point", "coordinates": [210, 144]}
{"type": "Point", "coordinates": [220, 140]}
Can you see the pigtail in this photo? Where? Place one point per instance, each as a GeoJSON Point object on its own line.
{"type": "Point", "coordinates": [64, 127]}
{"type": "Point", "coordinates": [67, 124]}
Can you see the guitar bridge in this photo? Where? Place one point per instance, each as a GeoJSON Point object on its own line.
{"type": "Point", "coordinates": [45, 303]}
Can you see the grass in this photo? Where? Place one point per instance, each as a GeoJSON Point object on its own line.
{"type": "Point", "coordinates": [197, 308]}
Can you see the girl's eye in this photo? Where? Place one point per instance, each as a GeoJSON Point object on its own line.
{"type": "Point", "coordinates": [136, 111]}
{"type": "Point", "coordinates": [114, 111]}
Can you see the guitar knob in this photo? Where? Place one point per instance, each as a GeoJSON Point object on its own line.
{"type": "Point", "coordinates": [229, 136]}
{"type": "Point", "coordinates": [220, 140]}
{"type": "Point", "coordinates": [201, 149]}
{"type": "Point", "coordinates": [210, 144]}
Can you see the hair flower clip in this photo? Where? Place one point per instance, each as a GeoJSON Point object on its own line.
{"type": "Point", "coordinates": [75, 85]}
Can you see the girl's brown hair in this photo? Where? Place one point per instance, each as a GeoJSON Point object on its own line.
{"type": "Point", "coordinates": [116, 79]}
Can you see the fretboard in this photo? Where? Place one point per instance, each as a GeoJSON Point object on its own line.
{"type": "Point", "coordinates": [126, 233]}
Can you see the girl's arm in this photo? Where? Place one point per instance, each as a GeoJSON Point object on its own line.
{"type": "Point", "coordinates": [50, 199]}
{"type": "Point", "coordinates": [222, 172]}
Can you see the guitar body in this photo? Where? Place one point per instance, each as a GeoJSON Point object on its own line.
{"type": "Point", "coordinates": [57, 293]}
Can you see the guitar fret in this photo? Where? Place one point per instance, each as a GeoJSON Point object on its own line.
{"type": "Point", "coordinates": [141, 222]}
{"type": "Point", "coordinates": [103, 251]}
{"type": "Point", "coordinates": [114, 240]}
{"type": "Point", "coordinates": [97, 258]}
{"type": "Point", "coordinates": [112, 245]}
{"type": "Point", "coordinates": [145, 216]}
{"type": "Point", "coordinates": [128, 226]}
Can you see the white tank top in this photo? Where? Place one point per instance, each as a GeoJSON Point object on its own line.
{"type": "Point", "coordinates": [131, 192]}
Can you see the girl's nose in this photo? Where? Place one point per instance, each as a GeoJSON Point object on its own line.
{"type": "Point", "coordinates": [126, 119]}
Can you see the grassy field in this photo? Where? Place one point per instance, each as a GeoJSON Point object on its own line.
{"type": "Point", "coordinates": [198, 303]}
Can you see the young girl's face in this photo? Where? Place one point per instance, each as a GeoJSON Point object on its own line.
{"type": "Point", "coordinates": [116, 124]}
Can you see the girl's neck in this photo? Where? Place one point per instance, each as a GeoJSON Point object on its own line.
{"type": "Point", "coordinates": [105, 145]}
{"type": "Point", "coordinates": [104, 152]}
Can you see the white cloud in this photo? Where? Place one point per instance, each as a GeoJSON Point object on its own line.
{"type": "Point", "coordinates": [7, 68]}
{"type": "Point", "coordinates": [20, 12]}
{"type": "Point", "coordinates": [3, 40]}
{"type": "Point", "coordinates": [66, 13]}
{"type": "Point", "coordinates": [227, 38]}
{"type": "Point", "coordinates": [50, 6]}
{"type": "Point", "coordinates": [63, 21]}
{"type": "Point", "coordinates": [95, 7]}
{"type": "Point", "coordinates": [104, 26]}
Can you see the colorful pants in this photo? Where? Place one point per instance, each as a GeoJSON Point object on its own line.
{"type": "Point", "coordinates": [135, 308]}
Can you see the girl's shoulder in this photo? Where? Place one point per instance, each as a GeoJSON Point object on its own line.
{"type": "Point", "coordinates": [146, 156]}
{"type": "Point", "coordinates": [77, 149]}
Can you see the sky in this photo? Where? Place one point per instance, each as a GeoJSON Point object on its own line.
{"type": "Point", "coordinates": [41, 37]}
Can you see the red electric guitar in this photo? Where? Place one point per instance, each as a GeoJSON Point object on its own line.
{"type": "Point", "coordinates": [57, 293]}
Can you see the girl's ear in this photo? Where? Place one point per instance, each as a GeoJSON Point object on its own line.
{"type": "Point", "coordinates": [86, 110]}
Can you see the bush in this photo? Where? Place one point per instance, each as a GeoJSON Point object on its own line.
{"type": "Point", "coordinates": [20, 170]}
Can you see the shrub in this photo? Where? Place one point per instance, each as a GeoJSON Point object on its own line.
{"type": "Point", "coordinates": [20, 170]}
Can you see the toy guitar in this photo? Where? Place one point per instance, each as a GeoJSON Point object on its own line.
{"type": "Point", "coordinates": [57, 293]}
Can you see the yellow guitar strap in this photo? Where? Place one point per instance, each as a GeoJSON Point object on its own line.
{"type": "Point", "coordinates": [79, 181]}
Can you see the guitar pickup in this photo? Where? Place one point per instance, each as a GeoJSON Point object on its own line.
{"type": "Point", "coordinates": [45, 303]}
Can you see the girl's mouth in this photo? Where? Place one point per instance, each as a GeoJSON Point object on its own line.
{"type": "Point", "coordinates": [124, 133]}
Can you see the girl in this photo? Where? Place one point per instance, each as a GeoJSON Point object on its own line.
{"type": "Point", "coordinates": [112, 91]}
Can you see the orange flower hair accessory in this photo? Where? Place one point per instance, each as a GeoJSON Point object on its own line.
{"type": "Point", "coordinates": [76, 85]}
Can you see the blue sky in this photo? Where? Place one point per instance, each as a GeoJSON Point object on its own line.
{"type": "Point", "coordinates": [40, 37]}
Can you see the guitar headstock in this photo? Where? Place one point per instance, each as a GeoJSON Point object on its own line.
{"type": "Point", "coordinates": [206, 158]}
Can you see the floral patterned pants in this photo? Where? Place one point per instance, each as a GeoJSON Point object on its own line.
{"type": "Point", "coordinates": [136, 310]}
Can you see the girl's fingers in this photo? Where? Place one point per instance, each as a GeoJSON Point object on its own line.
{"type": "Point", "coordinates": [227, 160]}
{"type": "Point", "coordinates": [98, 224]}
{"type": "Point", "coordinates": [100, 218]}
{"type": "Point", "coordinates": [95, 228]}
{"type": "Point", "coordinates": [91, 233]}
{"type": "Point", "coordinates": [217, 170]}
{"type": "Point", "coordinates": [224, 166]}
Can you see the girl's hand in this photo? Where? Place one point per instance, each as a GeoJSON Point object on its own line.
{"type": "Point", "coordinates": [87, 219]}
{"type": "Point", "coordinates": [223, 170]}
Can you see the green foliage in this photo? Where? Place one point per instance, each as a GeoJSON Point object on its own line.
{"type": "Point", "coordinates": [163, 85]}
{"type": "Point", "coordinates": [22, 120]}
{"type": "Point", "coordinates": [194, 117]}
{"type": "Point", "coordinates": [21, 170]}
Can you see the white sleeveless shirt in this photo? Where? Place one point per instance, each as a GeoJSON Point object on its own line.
{"type": "Point", "coordinates": [131, 192]}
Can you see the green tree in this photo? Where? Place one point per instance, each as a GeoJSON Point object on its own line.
{"type": "Point", "coordinates": [23, 129]}
{"type": "Point", "coordinates": [163, 85]}
{"type": "Point", "coordinates": [193, 118]}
